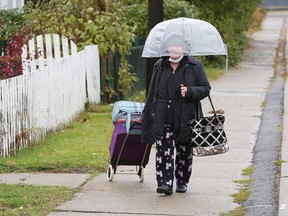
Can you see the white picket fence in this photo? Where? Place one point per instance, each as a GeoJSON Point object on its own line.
{"type": "Point", "coordinates": [44, 49]}
{"type": "Point", "coordinates": [11, 4]}
{"type": "Point", "coordinates": [47, 99]}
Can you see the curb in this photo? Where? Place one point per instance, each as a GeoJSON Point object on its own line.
{"type": "Point", "coordinates": [283, 189]}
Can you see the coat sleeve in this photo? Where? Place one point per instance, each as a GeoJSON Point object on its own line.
{"type": "Point", "coordinates": [202, 87]}
{"type": "Point", "coordinates": [148, 109]}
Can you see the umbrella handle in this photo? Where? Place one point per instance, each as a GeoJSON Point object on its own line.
{"type": "Point", "coordinates": [227, 63]}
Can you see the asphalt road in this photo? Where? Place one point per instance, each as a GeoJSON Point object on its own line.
{"type": "Point", "coordinates": [275, 4]}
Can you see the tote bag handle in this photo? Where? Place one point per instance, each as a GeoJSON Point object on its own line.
{"type": "Point", "coordinates": [211, 103]}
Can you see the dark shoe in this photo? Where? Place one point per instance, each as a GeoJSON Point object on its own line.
{"type": "Point", "coordinates": [166, 189]}
{"type": "Point", "coordinates": [181, 188]}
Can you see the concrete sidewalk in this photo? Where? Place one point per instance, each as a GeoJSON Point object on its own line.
{"type": "Point", "coordinates": [240, 93]}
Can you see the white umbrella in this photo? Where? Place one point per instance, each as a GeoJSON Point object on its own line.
{"type": "Point", "coordinates": [197, 37]}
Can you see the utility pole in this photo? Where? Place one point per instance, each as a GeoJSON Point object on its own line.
{"type": "Point", "coordinates": [155, 16]}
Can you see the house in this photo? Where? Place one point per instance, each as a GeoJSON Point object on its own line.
{"type": "Point", "coordinates": [10, 4]}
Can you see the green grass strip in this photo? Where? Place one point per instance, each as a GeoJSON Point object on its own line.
{"type": "Point", "coordinates": [31, 200]}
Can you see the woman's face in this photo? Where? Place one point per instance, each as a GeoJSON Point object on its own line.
{"type": "Point", "coordinates": [175, 51]}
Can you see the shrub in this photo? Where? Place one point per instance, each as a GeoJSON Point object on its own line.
{"type": "Point", "coordinates": [13, 36]}
{"type": "Point", "coordinates": [10, 63]}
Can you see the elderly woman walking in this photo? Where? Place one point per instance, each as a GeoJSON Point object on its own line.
{"type": "Point", "coordinates": [177, 85]}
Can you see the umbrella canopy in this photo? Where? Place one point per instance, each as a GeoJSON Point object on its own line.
{"type": "Point", "coordinates": [195, 37]}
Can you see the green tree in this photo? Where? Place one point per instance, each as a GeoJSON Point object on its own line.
{"type": "Point", "coordinates": [136, 13]}
{"type": "Point", "coordinates": [232, 19]}
{"type": "Point", "coordinates": [11, 22]}
{"type": "Point", "coordinates": [86, 23]}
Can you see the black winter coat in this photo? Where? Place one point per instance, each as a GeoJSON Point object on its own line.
{"type": "Point", "coordinates": [185, 109]}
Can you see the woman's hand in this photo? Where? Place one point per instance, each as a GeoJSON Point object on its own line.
{"type": "Point", "coordinates": [183, 90]}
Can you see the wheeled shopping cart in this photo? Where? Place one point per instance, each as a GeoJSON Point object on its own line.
{"type": "Point", "coordinates": [126, 147]}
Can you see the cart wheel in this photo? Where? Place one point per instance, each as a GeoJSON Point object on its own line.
{"type": "Point", "coordinates": [110, 173]}
{"type": "Point", "coordinates": [141, 174]}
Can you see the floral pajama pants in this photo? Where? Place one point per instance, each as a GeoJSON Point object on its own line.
{"type": "Point", "coordinates": [165, 160]}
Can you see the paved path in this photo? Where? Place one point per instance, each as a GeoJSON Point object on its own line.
{"type": "Point", "coordinates": [240, 93]}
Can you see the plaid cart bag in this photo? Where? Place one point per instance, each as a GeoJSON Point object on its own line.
{"type": "Point", "coordinates": [126, 147]}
